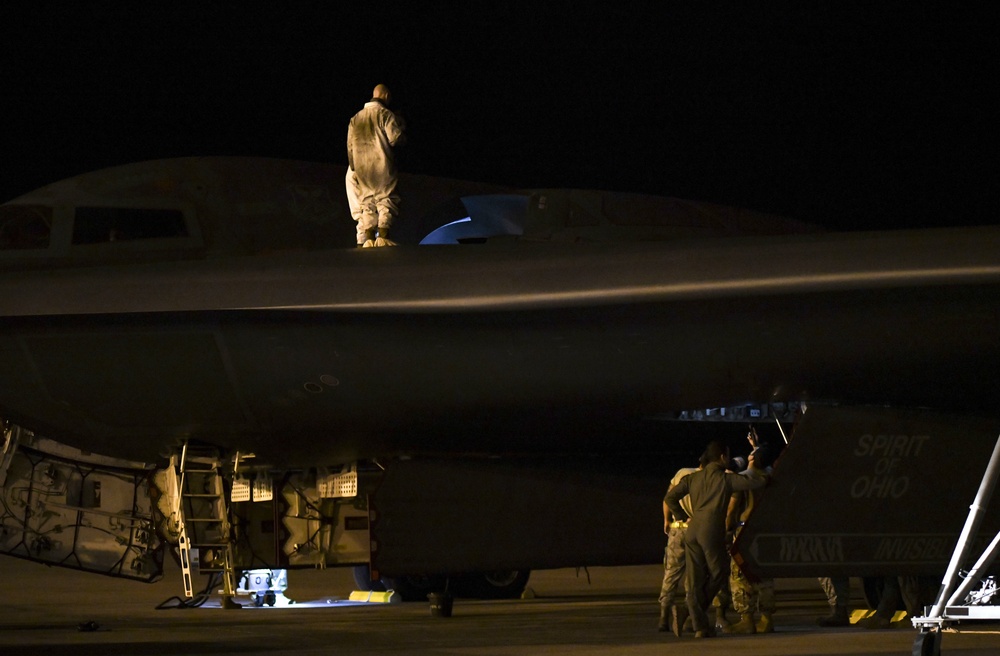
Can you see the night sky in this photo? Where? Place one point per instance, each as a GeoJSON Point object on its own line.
{"type": "Point", "coordinates": [852, 115]}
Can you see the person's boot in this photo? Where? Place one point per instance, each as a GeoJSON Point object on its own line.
{"type": "Point", "coordinates": [745, 625]}
{"type": "Point", "coordinates": [721, 621]}
{"type": "Point", "coordinates": [766, 624]}
{"type": "Point", "coordinates": [664, 624]}
{"type": "Point", "coordinates": [837, 617]}
{"type": "Point", "coordinates": [906, 621]}
{"type": "Point", "coordinates": [369, 239]}
{"type": "Point", "coordinates": [681, 620]}
{"type": "Point", "coordinates": [383, 238]}
{"type": "Point", "coordinates": [876, 621]}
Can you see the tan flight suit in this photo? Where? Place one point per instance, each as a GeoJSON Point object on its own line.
{"type": "Point", "coordinates": [707, 560]}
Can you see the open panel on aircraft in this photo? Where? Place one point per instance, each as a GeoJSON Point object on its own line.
{"type": "Point", "coordinates": [63, 507]}
{"type": "Point", "coordinates": [869, 492]}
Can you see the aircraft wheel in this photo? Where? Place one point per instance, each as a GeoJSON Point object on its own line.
{"type": "Point", "coordinates": [270, 598]}
{"type": "Point", "coordinates": [500, 584]}
{"type": "Point", "coordinates": [362, 579]}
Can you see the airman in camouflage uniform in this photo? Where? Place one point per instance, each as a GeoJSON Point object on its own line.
{"type": "Point", "coordinates": [749, 597]}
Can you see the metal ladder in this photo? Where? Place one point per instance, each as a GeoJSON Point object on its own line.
{"type": "Point", "coordinates": [203, 516]}
{"type": "Point", "coordinates": [948, 608]}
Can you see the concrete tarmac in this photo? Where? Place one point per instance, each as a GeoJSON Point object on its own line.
{"type": "Point", "coordinates": [614, 612]}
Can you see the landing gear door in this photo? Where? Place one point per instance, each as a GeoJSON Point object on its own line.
{"type": "Point", "coordinates": [80, 514]}
{"type": "Point", "coordinates": [869, 492]}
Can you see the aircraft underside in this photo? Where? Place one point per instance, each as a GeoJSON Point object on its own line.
{"type": "Point", "coordinates": [515, 400]}
{"type": "Point", "coordinates": [479, 524]}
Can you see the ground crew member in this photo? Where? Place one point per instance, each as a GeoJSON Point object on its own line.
{"type": "Point", "coordinates": [750, 597]}
{"type": "Point", "coordinates": [371, 174]}
{"type": "Point", "coordinates": [673, 614]}
{"type": "Point", "coordinates": [706, 558]}
{"type": "Point", "coordinates": [838, 595]}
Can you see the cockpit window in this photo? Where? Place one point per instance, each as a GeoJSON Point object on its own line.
{"type": "Point", "coordinates": [25, 227]}
{"type": "Point", "coordinates": [95, 225]}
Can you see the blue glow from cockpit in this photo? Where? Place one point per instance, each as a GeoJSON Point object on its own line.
{"type": "Point", "coordinates": [487, 216]}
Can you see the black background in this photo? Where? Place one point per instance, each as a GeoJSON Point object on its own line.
{"type": "Point", "coordinates": [853, 115]}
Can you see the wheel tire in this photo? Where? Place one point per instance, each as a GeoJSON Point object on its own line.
{"type": "Point", "coordinates": [363, 579]}
{"type": "Point", "coordinates": [500, 584]}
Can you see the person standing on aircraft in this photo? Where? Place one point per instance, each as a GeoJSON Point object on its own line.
{"type": "Point", "coordinates": [706, 558]}
{"type": "Point", "coordinates": [749, 597]}
{"type": "Point", "coordinates": [372, 135]}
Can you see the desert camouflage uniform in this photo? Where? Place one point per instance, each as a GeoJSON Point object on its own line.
{"type": "Point", "coordinates": [750, 597]}
{"type": "Point", "coordinates": [673, 555]}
